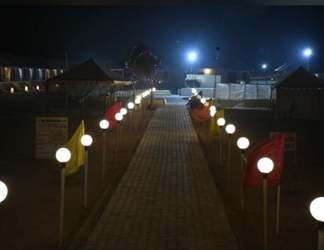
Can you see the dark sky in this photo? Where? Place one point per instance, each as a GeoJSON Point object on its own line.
{"type": "Point", "coordinates": [246, 34]}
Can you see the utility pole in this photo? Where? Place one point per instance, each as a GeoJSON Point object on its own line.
{"type": "Point", "coordinates": [215, 82]}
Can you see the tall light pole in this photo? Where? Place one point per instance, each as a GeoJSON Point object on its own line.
{"type": "Point", "coordinates": [265, 166]}
{"type": "Point", "coordinates": [307, 53]}
{"type": "Point", "coordinates": [118, 117]}
{"type": "Point", "coordinates": [317, 211]}
{"type": "Point", "coordinates": [215, 82]}
{"type": "Point", "coordinates": [192, 57]}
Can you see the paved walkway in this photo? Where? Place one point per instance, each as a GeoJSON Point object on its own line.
{"type": "Point", "coordinates": [166, 199]}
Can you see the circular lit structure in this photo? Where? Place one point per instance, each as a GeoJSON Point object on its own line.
{"type": "Point", "coordinates": [123, 111]}
{"type": "Point", "coordinates": [230, 129]}
{"type": "Point", "coordinates": [243, 143]}
{"type": "Point", "coordinates": [3, 191]}
{"type": "Point", "coordinates": [265, 165]}
{"type": "Point", "coordinates": [118, 117]}
{"type": "Point", "coordinates": [221, 122]}
{"type": "Point", "coordinates": [192, 56]}
{"type": "Point", "coordinates": [86, 140]}
{"type": "Point", "coordinates": [307, 52]}
{"type": "Point", "coordinates": [137, 101]}
{"type": "Point", "coordinates": [316, 209]}
{"type": "Point", "coordinates": [104, 124]}
{"type": "Point", "coordinates": [130, 105]}
{"type": "Point", "coordinates": [63, 155]}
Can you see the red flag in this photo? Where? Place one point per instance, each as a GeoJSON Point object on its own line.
{"type": "Point", "coordinates": [110, 114]}
{"type": "Point", "coordinates": [273, 149]}
{"type": "Point", "coordinates": [202, 113]}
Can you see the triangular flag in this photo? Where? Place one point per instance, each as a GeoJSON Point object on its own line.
{"type": "Point", "coordinates": [273, 149]}
{"type": "Point", "coordinates": [77, 151]}
{"type": "Point", "coordinates": [110, 114]}
{"type": "Point", "coordinates": [214, 129]}
{"type": "Point", "coordinates": [202, 113]}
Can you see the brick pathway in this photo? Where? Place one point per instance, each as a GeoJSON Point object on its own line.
{"type": "Point", "coordinates": [166, 199]}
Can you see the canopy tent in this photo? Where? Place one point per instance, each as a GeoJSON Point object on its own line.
{"type": "Point", "coordinates": [86, 79]}
{"type": "Point", "coordinates": [300, 95]}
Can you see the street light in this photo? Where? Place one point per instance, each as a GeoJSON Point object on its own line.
{"type": "Point", "coordinates": [243, 143]}
{"type": "Point", "coordinates": [62, 155]}
{"type": "Point", "coordinates": [104, 124]}
{"type": "Point", "coordinates": [265, 166]}
{"type": "Point", "coordinates": [317, 211]}
{"type": "Point", "coordinates": [220, 123]}
{"type": "Point", "coordinates": [230, 129]}
{"type": "Point", "coordinates": [308, 53]}
{"type": "Point", "coordinates": [86, 141]}
{"type": "Point", "coordinates": [192, 57]}
{"type": "Point", "coordinates": [118, 117]}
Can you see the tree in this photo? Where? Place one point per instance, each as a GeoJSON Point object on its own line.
{"type": "Point", "coordinates": [143, 65]}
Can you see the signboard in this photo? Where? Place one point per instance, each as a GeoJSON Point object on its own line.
{"type": "Point", "coordinates": [51, 134]}
{"type": "Point", "coordinates": [290, 140]}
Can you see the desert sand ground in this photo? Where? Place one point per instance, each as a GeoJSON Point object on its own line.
{"type": "Point", "coordinates": [29, 216]}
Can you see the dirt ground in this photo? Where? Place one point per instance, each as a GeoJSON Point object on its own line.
{"type": "Point", "coordinates": [29, 216]}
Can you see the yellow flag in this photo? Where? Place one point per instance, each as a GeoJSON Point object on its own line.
{"type": "Point", "coordinates": [214, 129]}
{"type": "Point", "coordinates": [77, 151]}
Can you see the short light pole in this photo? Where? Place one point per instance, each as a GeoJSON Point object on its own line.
{"type": "Point", "coordinates": [118, 117]}
{"type": "Point", "coordinates": [86, 141]}
{"type": "Point", "coordinates": [317, 211]}
{"type": "Point", "coordinates": [242, 143]}
{"type": "Point", "coordinates": [220, 123]}
{"type": "Point", "coordinates": [212, 111]}
{"type": "Point", "coordinates": [123, 111]}
{"type": "Point", "coordinates": [230, 129]}
{"type": "Point", "coordinates": [137, 103]}
{"type": "Point", "coordinates": [62, 155]}
{"type": "Point", "coordinates": [104, 124]}
{"type": "Point", "coordinates": [130, 106]}
{"type": "Point", "coordinates": [265, 166]}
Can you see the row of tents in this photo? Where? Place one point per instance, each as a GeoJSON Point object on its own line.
{"type": "Point", "coordinates": [300, 95]}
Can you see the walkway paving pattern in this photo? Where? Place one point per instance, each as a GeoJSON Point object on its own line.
{"type": "Point", "coordinates": [166, 199]}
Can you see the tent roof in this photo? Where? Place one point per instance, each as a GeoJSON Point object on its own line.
{"type": "Point", "coordinates": [300, 78]}
{"type": "Point", "coordinates": [89, 71]}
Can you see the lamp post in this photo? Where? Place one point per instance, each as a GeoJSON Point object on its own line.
{"type": "Point", "coordinates": [130, 106]}
{"type": "Point", "coordinates": [86, 141]}
{"type": "Point", "coordinates": [307, 53]}
{"type": "Point", "coordinates": [317, 211]}
{"type": "Point", "coordinates": [123, 111]}
{"type": "Point", "coordinates": [137, 103]}
{"type": "Point", "coordinates": [104, 124]}
{"type": "Point", "coordinates": [230, 129]}
{"type": "Point", "coordinates": [265, 166]}
{"type": "Point", "coordinates": [243, 143]}
{"type": "Point", "coordinates": [118, 117]}
{"type": "Point", "coordinates": [192, 57]}
{"type": "Point", "coordinates": [220, 123]}
{"type": "Point", "coordinates": [62, 155]}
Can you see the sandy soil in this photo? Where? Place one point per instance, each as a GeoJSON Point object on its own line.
{"type": "Point", "coordinates": [30, 214]}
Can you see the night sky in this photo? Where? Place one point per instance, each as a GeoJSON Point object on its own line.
{"type": "Point", "coordinates": [247, 34]}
